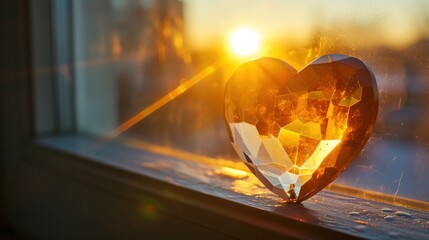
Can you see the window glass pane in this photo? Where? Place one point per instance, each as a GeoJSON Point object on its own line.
{"type": "Point", "coordinates": [129, 54]}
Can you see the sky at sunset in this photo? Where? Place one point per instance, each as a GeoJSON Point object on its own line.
{"type": "Point", "coordinates": [395, 23]}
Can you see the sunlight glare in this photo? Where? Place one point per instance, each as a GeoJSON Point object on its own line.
{"type": "Point", "coordinates": [244, 42]}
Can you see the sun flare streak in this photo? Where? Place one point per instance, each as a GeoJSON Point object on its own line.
{"type": "Point", "coordinates": [179, 90]}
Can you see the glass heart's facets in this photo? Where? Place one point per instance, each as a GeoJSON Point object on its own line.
{"type": "Point", "coordinates": [297, 132]}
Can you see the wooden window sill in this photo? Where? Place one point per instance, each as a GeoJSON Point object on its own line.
{"type": "Point", "coordinates": [211, 197]}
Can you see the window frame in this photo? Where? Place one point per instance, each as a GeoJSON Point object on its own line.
{"type": "Point", "coordinates": [26, 148]}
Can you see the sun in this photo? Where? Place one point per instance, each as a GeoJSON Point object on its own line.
{"type": "Point", "coordinates": [244, 42]}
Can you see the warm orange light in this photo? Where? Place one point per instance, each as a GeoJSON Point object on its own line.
{"type": "Point", "coordinates": [231, 172]}
{"type": "Point", "coordinates": [244, 42]}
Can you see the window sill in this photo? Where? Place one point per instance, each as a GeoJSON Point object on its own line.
{"type": "Point", "coordinates": [232, 206]}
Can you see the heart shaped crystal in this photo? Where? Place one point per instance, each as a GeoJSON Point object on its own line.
{"type": "Point", "coordinates": [298, 131]}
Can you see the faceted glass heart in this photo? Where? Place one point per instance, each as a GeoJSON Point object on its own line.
{"type": "Point", "coordinates": [298, 131]}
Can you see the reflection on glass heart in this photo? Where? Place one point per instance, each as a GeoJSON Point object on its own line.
{"type": "Point", "coordinates": [298, 131]}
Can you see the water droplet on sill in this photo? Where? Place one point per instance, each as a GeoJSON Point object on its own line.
{"type": "Point", "coordinates": [354, 213]}
{"type": "Point", "coordinates": [389, 218]}
{"type": "Point", "coordinates": [387, 210]}
{"type": "Point", "coordinates": [402, 214]}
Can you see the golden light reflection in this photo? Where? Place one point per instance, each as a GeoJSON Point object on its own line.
{"type": "Point", "coordinates": [232, 172]}
{"type": "Point", "coordinates": [245, 42]}
{"type": "Point", "coordinates": [251, 186]}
